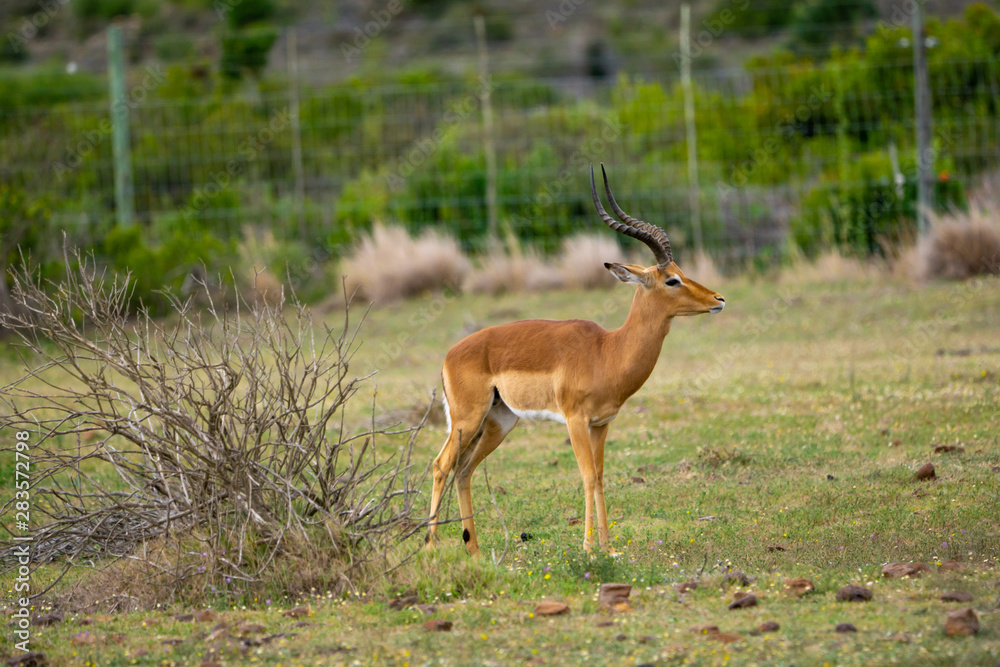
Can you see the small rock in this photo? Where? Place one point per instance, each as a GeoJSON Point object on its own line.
{"type": "Point", "coordinates": [725, 637]}
{"type": "Point", "coordinates": [399, 604]}
{"type": "Point", "coordinates": [768, 626]}
{"type": "Point", "coordinates": [957, 596]}
{"type": "Point", "coordinates": [32, 659]}
{"type": "Point", "coordinates": [206, 616]}
{"type": "Point", "coordinates": [245, 629]}
{"type": "Point", "coordinates": [611, 594]}
{"type": "Point", "coordinates": [647, 639]}
{"type": "Point", "coordinates": [184, 618]}
{"type": "Point", "coordinates": [85, 638]}
{"type": "Point", "coordinates": [438, 625]}
{"type": "Point", "coordinates": [776, 547]}
{"type": "Point", "coordinates": [924, 472]}
{"type": "Point", "coordinates": [551, 608]}
{"type": "Point", "coordinates": [961, 622]}
{"type": "Point", "coordinates": [638, 480]}
{"type": "Point", "coordinates": [899, 570]}
{"type": "Point", "coordinates": [298, 612]}
{"type": "Point", "coordinates": [736, 577]}
{"type": "Point", "coordinates": [48, 619]}
{"type": "Point", "coordinates": [845, 627]}
{"type": "Point", "coordinates": [704, 629]}
{"type": "Point", "coordinates": [853, 593]}
{"type": "Point", "coordinates": [744, 601]}
{"type": "Point", "coordinates": [950, 565]}
{"type": "Point", "coordinates": [945, 449]}
{"type": "Point", "coordinates": [686, 586]}
{"type": "Point", "coordinates": [799, 586]}
{"type": "Point", "coordinates": [621, 636]}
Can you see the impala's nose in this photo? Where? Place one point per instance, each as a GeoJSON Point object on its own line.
{"type": "Point", "coordinates": [722, 304]}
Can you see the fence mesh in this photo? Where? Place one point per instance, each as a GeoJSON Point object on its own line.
{"type": "Point", "coordinates": [783, 150]}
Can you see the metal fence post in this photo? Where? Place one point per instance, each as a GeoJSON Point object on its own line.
{"type": "Point", "coordinates": [922, 118]}
{"type": "Point", "coordinates": [124, 200]}
{"type": "Point", "coordinates": [690, 131]}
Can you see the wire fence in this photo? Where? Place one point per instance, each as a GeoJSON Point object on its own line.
{"type": "Point", "coordinates": [782, 150]}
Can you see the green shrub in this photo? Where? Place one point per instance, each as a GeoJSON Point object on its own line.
{"type": "Point", "coordinates": [105, 10]}
{"type": "Point", "coordinates": [864, 212]}
{"type": "Point", "coordinates": [243, 13]}
{"type": "Point", "coordinates": [46, 87]}
{"type": "Point", "coordinates": [246, 50]}
{"type": "Point", "coordinates": [821, 22]}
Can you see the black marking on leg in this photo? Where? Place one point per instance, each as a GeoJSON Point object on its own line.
{"type": "Point", "coordinates": [466, 536]}
{"type": "Point", "coordinates": [427, 538]}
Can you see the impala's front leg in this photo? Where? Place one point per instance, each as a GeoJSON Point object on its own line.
{"type": "Point", "coordinates": [598, 434]}
{"type": "Point", "coordinates": [579, 436]}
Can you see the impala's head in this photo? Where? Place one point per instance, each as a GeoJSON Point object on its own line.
{"type": "Point", "coordinates": [665, 282]}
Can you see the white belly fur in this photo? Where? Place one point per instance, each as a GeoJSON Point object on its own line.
{"type": "Point", "coordinates": [539, 415]}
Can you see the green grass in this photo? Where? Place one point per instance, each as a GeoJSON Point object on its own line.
{"type": "Point", "coordinates": [747, 417]}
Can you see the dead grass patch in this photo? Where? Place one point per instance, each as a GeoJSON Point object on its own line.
{"type": "Point", "coordinates": [704, 270]}
{"type": "Point", "coordinates": [389, 264]}
{"type": "Point", "coordinates": [581, 262]}
{"type": "Point", "coordinates": [514, 270]}
{"type": "Point", "coordinates": [959, 246]}
{"type": "Point", "coordinates": [831, 266]}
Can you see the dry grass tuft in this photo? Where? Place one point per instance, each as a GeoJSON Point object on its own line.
{"type": "Point", "coordinates": [515, 270]}
{"type": "Point", "coordinates": [266, 289]}
{"type": "Point", "coordinates": [829, 267]}
{"type": "Point", "coordinates": [581, 262]}
{"type": "Point", "coordinates": [960, 245]}
{"type": "Point", "coordinates": [389, 264]}
{"type": "Point", "coordinates": [704, 270]}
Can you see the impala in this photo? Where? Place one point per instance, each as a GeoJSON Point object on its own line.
{"type": "Point", "coordinates": [573, 372]}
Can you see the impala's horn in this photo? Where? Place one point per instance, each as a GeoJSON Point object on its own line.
{"type": "Point", "coordinates": [651, 235]}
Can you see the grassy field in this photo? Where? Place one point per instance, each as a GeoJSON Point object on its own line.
{"type": "Point", "coordinates": [779, 438]}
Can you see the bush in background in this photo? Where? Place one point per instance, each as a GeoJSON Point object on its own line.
{"type": "Point", "coordinates": [388, 264]}
{"type": "Point", "coordinates": [959, 246]}
{"type": "Point", "coordinates": [513, 270]}
{"type": "Point", "coordinates": [581, 261]}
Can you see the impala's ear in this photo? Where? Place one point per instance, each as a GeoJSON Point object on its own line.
{"type": "Point", "coordinates": [624, 274]}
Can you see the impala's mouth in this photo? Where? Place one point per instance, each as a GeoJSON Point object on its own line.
{"type": "Point", "coordinates": [717, 309]}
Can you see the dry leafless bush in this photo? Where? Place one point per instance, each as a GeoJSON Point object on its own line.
{"type": "Point", "coordinates": [389, 264]}
{"type": "Point", "coordinates": [221, 437]}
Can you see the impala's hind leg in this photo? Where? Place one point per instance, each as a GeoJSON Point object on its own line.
{"type": "Point", "coordinates": [498, 424]}
{"type": "Point", "coordinates": [465, 417]}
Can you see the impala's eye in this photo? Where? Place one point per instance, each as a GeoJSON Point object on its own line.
{"type": "Point", "coordinates": [673, 282]}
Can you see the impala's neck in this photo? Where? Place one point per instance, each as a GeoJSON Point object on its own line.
{"type": "Point", "coordinates": [637, 343]}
